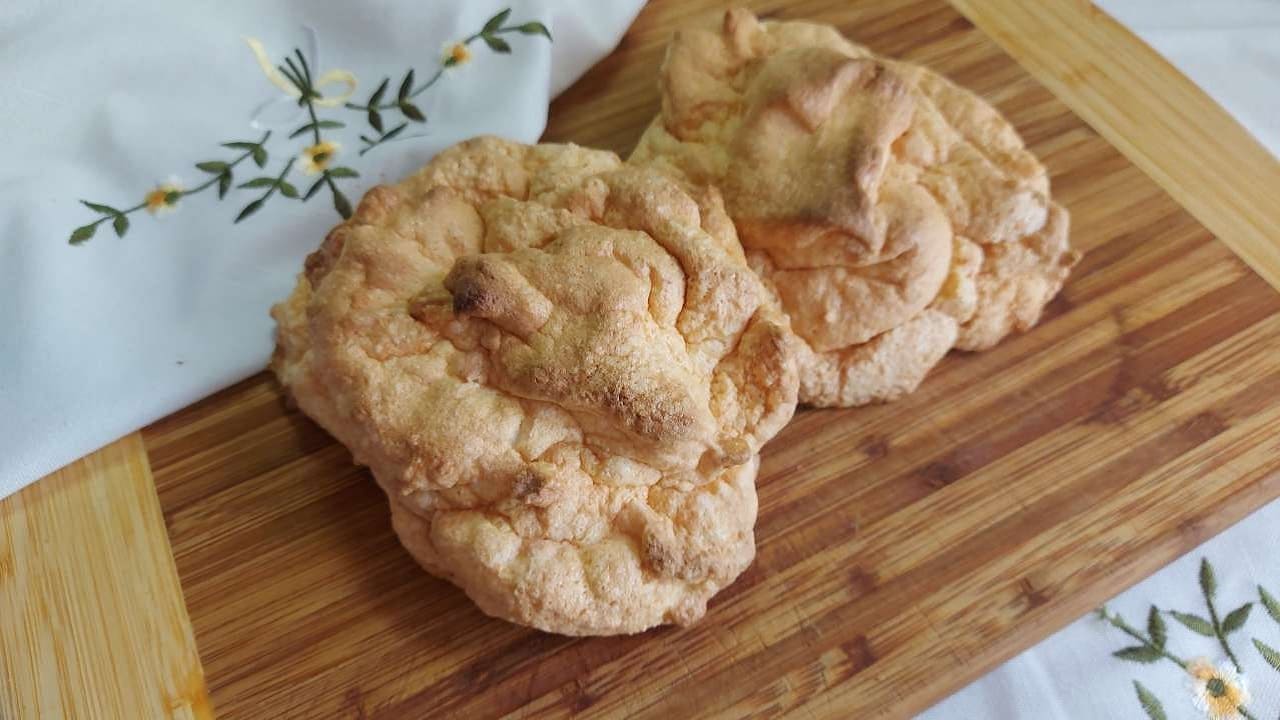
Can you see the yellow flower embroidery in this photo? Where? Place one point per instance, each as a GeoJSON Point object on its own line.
{"type": "Point", "coordinates": [318, 157]}
{"type": "Point", "coordinates": [302, 90]}
{"type": "Point", "coordinates": [456, 54]}
{"type": "Point", "coordinates": [1219, 691]}
{"type": "Point", "coordinates": [164, 197]}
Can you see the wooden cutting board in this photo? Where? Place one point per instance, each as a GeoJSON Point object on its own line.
{"type": "Point", "coordinates": [903, 549]}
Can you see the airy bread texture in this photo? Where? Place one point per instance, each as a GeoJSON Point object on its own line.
{"type": "Point", "coordinates": [894, 214]}
{"type": "Point", "coordinates": [560, 370]}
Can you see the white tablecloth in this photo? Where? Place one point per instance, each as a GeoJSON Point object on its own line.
{"type": "Point", "coordinates": [1231, 48]}
{"type": "Point", "coordinates": [104, 101]}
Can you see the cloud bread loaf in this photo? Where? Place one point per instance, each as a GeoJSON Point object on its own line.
{"type": "Point", "coordinates": [560, 369]}
{"type": "Point", "coordinates": [894, 214]}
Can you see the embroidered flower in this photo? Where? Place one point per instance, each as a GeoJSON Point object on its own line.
{"type": "Point", "coordinates": [1218, 691]}
{"type": "Point", "coordinates": [333, 87]}
{"type": "Point", "coordinates": [317, 158]}
{"type": "Point", "coordinates": [456, 54]}
{"type": "Point", "coordinates": [299, 89]}
{"type": "Point", "coordinates": [164, 197]}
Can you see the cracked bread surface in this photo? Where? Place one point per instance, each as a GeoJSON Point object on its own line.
{"type": "Point", "coordinates": [895, 214]}
{"type": "Point", "coordinates": [560, 369]}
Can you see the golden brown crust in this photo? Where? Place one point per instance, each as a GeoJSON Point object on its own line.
{"type": "Point", "coordinates": [662, 554]}
{"type": "Point", "coordinates": [887, 367]}
{"type": "Point", "coordinates": [558, 375]}
{"type": "Point", "coordinates": [865, 191]}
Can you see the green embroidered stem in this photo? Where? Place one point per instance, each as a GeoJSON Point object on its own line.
{"type": "Point", "coordinates": [1222, 639]}
{"type": "Point", "coordinates": [272, 186]}
{"type": "Point", "coordinates": [225, 173]}
{"type": "Point", "coordinates": [374, 106]}
{"type": "Point", "coordinates": [445, 65]}
{"type": "Point", "coordinates": [221, 175]}
{"type": "Point", "coordinates": [1157, 650]}
{"type": "Point", "coordinates": [411, 93]}
{"type": "Point", "coordinates": [318, 156]}
{"type": "Point", "coordinates": [414, 92]}
{"type": "Point", "coordinates": [300, 75]}
{"type": "Point", "coordinates": [1209, 587]}
{"type": "Point", "coordinates": [315, 123]}
{"type": "Point", "coordinates": [118, 217]}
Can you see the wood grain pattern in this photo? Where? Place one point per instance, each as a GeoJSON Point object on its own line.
{"type": "Point", "coordinates": [93, 620]}
{"type": "Point", "coordinates": [1156, 116]}
{"type": "Point", "coordinates": [903, 549]}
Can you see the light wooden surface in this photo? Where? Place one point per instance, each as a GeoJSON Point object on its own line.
{"type": "Point", "coordinates": [1154, 115]}
{"type": "Point", "coordinates": [903, 549]}
{"type": "Point", "coordinates": [92, 623]}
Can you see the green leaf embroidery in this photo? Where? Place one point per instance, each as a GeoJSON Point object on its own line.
{"type": "Point", "coordinates": [319, 124]}
{"type": "Point", "coordinates": [1153, 643]}
{"type": "Point", "coordinates": [341, 204]}
{"type": "Point", "coordinates": [297, 71]}
{"type": "Point", "coordinates": [295, 77]}
{"type": "Point", "coordinates": [250, 209]}
{"type": "Point", "coordinates": [104, 209]}
{"type": "Point", "coordinates": [412, 112]}
{"type": "Point", "coordinates": [1150, 703]}
{"type": "Point", "coordinates": [1270, 603]}
{"type": "Point", "coordinates": [1139, 653]}
{"type": "Point", "coordinates": [258, 182]}
{"type": "Point", "coordinates": [82, 233]}
{"type": "Point", "coordinates": [1208, 582]}
{"type": "Point", "coordinates": [1194, 623]}
{"type": "Point", "coordinates": [377, 94]}
{"type": "Point", "coordinates": [1268, 653]}
{"type": "Point", "coordinates": [489, 33]}
{"type": "Point", "coordinates": [1156, 628]}
{"type": "Point", "coordinates": [302, 60]}
{"type": "Point", "coordinates": [534, 28]}
{"type": "Point", "coordinates": [1236, 619]}
{"type": "Point", "coordinates": [496, 21]}
{"type": "Point", "coordinates": [315, 188]}
{"type": "Point", "coordinates": [496, 44]}
{"type": "Point", "coordinates": [406, 87]}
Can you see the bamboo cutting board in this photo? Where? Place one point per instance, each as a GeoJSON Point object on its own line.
{"type": "Point", "coordinates": [903, 549]}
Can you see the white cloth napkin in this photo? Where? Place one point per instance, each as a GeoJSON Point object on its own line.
{"type": "Point", "coordinates": [1073, 675]}
{"type": "Point", "coordinates": [105, 101]}
{"type": "Point", "coordinates": [1231, 48]}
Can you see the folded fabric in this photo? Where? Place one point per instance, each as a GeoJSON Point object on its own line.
{"type": "Point", "coordinates": [207, 181]}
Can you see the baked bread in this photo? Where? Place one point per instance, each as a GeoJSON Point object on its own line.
{"type": "Point", "coordinates": [895, 214]}
{"type": "Point", "coordinates": [560, 369]}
